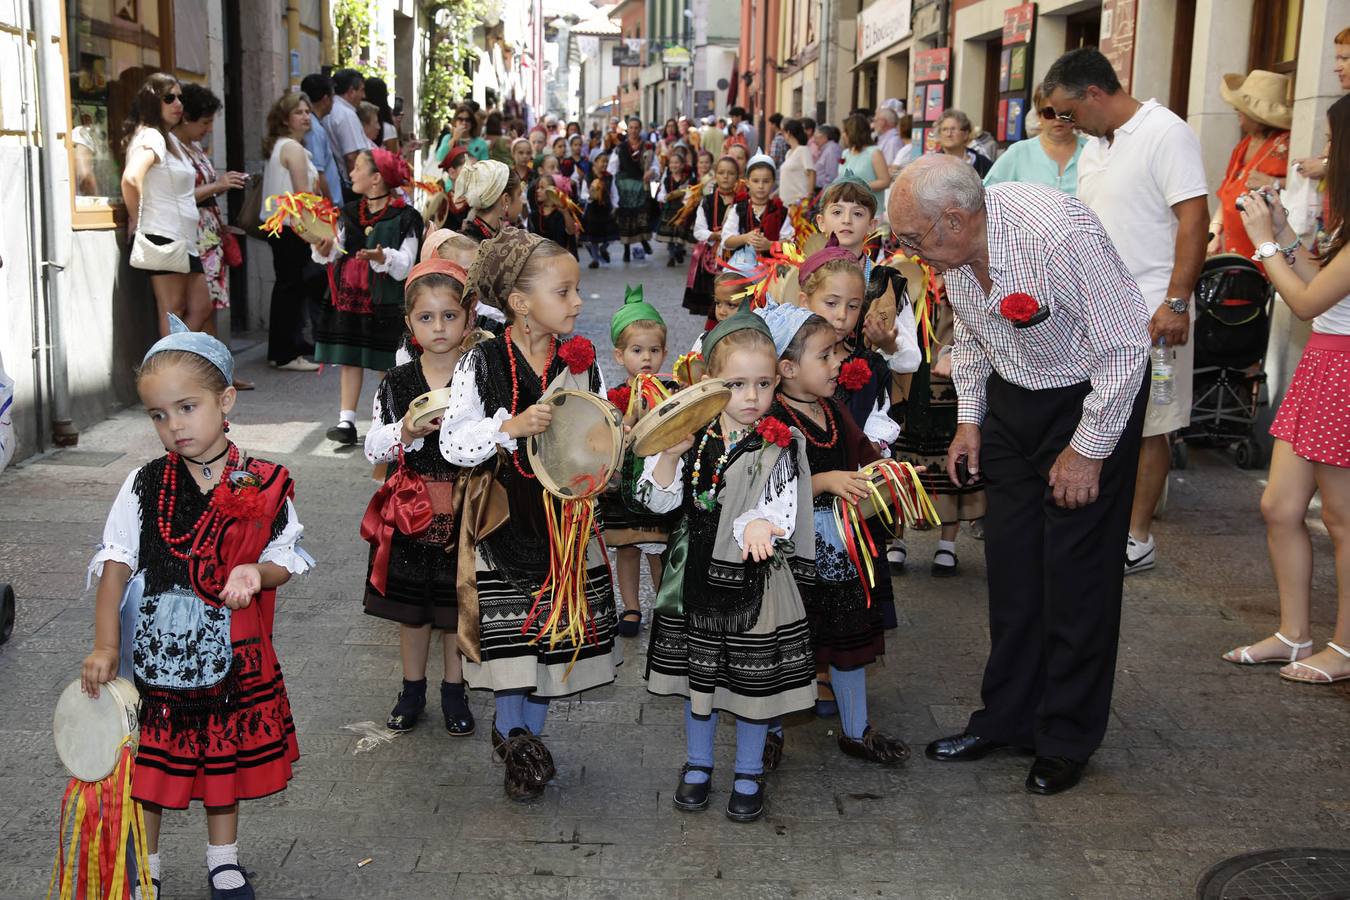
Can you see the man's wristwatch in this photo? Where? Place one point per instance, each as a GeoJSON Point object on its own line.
{"type": "Point", "coordinates": [1178, 305]}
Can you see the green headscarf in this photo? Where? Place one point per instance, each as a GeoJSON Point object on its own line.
{"type": "Point", "coordinates": [740, 320]}
{"type": "Point", "coordinates": [634, 309]}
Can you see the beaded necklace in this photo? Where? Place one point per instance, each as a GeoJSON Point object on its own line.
{"type": "Point", "coordinates": [515, 387]}
{"type": "Point", "coordinates": [829, 423]}
{"type": "Point", "coordinates": [368, 221]}
{"type": "Point", "coordinates": [708, 499]}
{"type": "Point", "coordinates": [168, 500]}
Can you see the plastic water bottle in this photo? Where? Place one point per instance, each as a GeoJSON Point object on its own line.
{"type": "Point", "coordinates": [1163, 389]}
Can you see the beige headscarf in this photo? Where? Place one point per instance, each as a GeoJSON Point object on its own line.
{"type": "Point", "coordinates": [432, 242]}
{"type": "Point", "coordinates": [500, 260]}
{"type": "Point", "coordinates": [481, 184]}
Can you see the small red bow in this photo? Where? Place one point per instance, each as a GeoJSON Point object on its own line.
{"type": "Point", "coordinates": [402, 503]}
{"type": "Point", "coordinates": [1019, 307]}
{"type": "Point", "coordinates": [773, 431]}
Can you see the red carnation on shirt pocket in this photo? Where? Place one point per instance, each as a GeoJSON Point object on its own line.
{"type": "Point", "coordinates": [1022, 310]}
{"type": "Point", "coordinates": [578, 353]}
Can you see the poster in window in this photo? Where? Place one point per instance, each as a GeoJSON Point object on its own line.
{"type": "Point", "coordinates": [1017, 69]}
{"type": "Point", "coordinates": [930, 140]}
{"type": "Point", "coordinates": [933, 107]}
{"type": "Point", "coordinates": [1016, 114]}
{"type": "Point", "coordinates": [918, 105]}
{"type": "Point", "coordinates": [1003, 120]}
{"type": "Point", "coordinates": [916, 137]}
{"type": "Point", "coordinates": [1003, 63]}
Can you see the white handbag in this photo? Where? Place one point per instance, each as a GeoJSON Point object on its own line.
{"type": "Point", "coordinates": [152, 257]}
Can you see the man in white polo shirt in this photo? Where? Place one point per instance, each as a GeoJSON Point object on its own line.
{"type": "Point", "coordinates": [1144, 178]}
{"type": "Point", "coordinates": [345, 133]}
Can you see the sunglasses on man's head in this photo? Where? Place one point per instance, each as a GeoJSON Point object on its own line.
{"type": "Point", "coordinates": [172, 98]}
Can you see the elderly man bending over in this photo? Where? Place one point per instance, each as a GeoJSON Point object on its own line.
{"type": "Point", "coordinates": [1050, 358]}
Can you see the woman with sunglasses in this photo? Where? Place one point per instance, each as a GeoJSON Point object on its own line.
{"type": "Point", "coordinates": [1049, 158]}
{"type": "Point", "coordinates": [158, 188]}
{"type": "Point", "coordinates": [463, 133]}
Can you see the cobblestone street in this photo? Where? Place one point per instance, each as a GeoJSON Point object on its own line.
{"type": "Point", "coordinates": [1202, 761]}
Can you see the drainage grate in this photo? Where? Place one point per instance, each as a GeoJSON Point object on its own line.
{"type": "Point", "coordinates": [91, 459]}
{"type": "Point", "coordinates": [1294, 873]}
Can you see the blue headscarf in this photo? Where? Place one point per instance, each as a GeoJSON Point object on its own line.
{"type": "Point", "coordinates": [200, 343]}
{"type": "Point", "coordinates": [784, 321]}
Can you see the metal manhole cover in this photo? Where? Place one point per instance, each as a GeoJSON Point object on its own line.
{"type": "Point", "coordinates": [1294, 873]}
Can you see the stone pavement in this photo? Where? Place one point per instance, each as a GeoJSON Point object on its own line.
{"type": "Point", "coordinates": [1202, 761]}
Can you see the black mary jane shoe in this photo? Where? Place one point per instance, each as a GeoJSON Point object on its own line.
{"type": "Point", "coordinates": [343, 433]}
{"type": "Point", "coordinates": [773, 751]}
{"type": "Point", "coordinates": [455, 707]}
{"type": "Point", "coordinates": [942, 568]}
{"type": "Point", "coordinates": [962, 747]}
{"type": "Point", "coordinates": [693, 797]}
{"type": "Point", "coordinates": [411, 703]}
{"type": "Point", "coordinates": [647, 248]}
{"type": "Point", "coordinates": [747, 807]}
{"type": "Point", "coordinates": [244, 892]}
{"type": "Point", "coordinates": [529, 766]}
{"type": "Point", "coordinates": [630, 621]}
{"type": "Point", "coordinates": [1053, 774]}
{"type": "Point", "coordinates": [875, 747]}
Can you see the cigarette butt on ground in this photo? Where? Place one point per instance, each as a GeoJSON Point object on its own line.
{"type": "Point", "coordinates": [365, 862]}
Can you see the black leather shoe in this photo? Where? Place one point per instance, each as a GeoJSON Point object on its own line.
{"type": "Point", "coordinates": [875, 747]}
{"type": "Point", "coordinates": [1053, 774]}
{"type": "Point", "coordinates": [455, 706]}
{"type": "Point", "coordinates": [746, 807]}
{"type": "Point", "coordinates": [961, 748]}
{"type": "Point", "coordinates": [343, 433]}
{"type": "Point", "coordinates": [692, 797]}
{"type": "Point", "coordinates": [773, 752]}
{"type": "Point", "coordinates": [411, 701]}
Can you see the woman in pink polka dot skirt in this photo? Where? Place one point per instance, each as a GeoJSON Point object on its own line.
{"type": "Point", "coordinates": [1312, 427]}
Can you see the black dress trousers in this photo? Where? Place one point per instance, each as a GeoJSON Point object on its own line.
{"type": "Point", "coordinates": [1055, 575]}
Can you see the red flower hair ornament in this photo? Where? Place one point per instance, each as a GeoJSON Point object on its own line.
{"type": "Point", "coordinates": [773, 431]}
{"type": "Point", "coordinates": [578, 353]}
{"type": "Point", "coordinates": [855, 374]}
{"type": "Point", "coordinates": [1022, 310]}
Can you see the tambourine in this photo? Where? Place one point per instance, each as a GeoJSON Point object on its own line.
{"type": "Point", "coordinates": [575, 457]}
{"type": "Point", "coordinates": [90, 733]}
{"type": "Point", "coordinates": [679, 416]}
{"type": "Point", "coordinates": [689, 369]}
{"type": "Point", "coordinates": [429, 406]}
{"type": "Point", "coordinates": [896, 497]}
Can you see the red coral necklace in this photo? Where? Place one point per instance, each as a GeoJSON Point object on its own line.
{"type": "Point", "coordinates": [829, 422]}
{"type": "Point", "coordinates": [168, 500]}
{"type": "Point", "coordinates": [362, 213]}
{"type": "Point", "coordinates": [515, 386]}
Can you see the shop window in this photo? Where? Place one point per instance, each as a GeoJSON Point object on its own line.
{"type": "Point", "coordinates": [111, 47]}
{"type": "Point", "coordinates": [796, 103]}
{"type": "Point", "coordinates": [1274, 41]}
{"type": "Point", "coordinates": [1083, 29]}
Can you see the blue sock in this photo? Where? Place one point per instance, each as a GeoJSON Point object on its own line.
{"type": "Point", "coordinates": [510, 711]}
{"type": "Point", "coordinates": [850, 689]}
{"type": "Point", "coordinates": [535, 712]}
{"type": "Point", "coordinates": [698, 736]}
{"type": "Point", "coordinates": [749, 753]}
{"type": "Point", "coordinates": [776, 727]}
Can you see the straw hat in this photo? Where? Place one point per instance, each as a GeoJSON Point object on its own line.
{"type": "Point", "coordinates": [1262, 95]}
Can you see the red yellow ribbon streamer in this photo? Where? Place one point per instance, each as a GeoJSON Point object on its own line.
{"type": "Point", "coordinates": [98, 820]}
{"type": "Point", "coordinates": [647, 392]}
{"type": "Point", "coordinates": [900, 490]}
{"type": "Point", "coordinates": [683, 371]}
{"type": "Point", "coordinates": [295, 208]}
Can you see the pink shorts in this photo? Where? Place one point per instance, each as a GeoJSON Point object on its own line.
{"type": "Point", "coordinates": [1314, 416]}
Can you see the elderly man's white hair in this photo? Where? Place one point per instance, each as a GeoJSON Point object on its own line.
{"type": "Point", "coordinates": [890, 115]}
{"type": "Point", "coordinates": [938, 182]}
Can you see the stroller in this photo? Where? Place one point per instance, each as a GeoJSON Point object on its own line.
{"type": "Point", "coordinates": [1233, 302]}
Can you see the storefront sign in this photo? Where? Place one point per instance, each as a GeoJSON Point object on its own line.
{"type": "Point", "coordinates": [931, 65]}
{"type": "Point", "coordinates": [628, 55]}
{"type": "Point", "coordinates": [675, 57]}
{"type": "Point", "coordinates": [1017, 24]}
{"type": "Point", "coordinates": [1117, 40]}
{"type": "Point", "coordinates": [881, 25]}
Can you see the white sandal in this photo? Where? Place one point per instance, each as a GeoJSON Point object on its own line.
{"type": "Point", "coordinates": [1244, 656]}
{"type": "Point", "coordinates": [1326, 677]}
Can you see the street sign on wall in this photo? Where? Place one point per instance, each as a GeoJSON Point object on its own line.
{"type": "Point", "coordinates": [882, 24]}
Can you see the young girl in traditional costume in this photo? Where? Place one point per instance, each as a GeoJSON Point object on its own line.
{"type": "Point", "coordinates": [639, 336]}
{"type": "Point", "coordinates": [375, 248]}
{"type": "Point", "coordinates": [760, 220]}
{"type": "Point", "coordinates": [412, 579]}
{"type": "Point", "coordinates": [731, 635]}
{"type": "Point", "coordinates": [597, 223]}
{"type": "Point", "coordinates": [708, 219]}
{"type": "Point", "coordinates": [846, 623]}
{"type": "Point", "coordinates": [494, 406]}
{"type": "Point", "coordinates": [670, 194]}
{"type": "Point", "coordinates": [549, 217]}
{"type": "Point", "coordinates": [494, 195]}
{"type": "Point", "coordinates": [195, 546]}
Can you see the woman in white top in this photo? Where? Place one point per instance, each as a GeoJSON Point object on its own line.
{"type": "Point", "coordinates": [289, 170]}
{"type": "Point", "coordinates": [158, 184]}
{"type": "Point", "coordinates": [797, 177]}
{"type": "Point", "coordinates": [1312, 427]}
